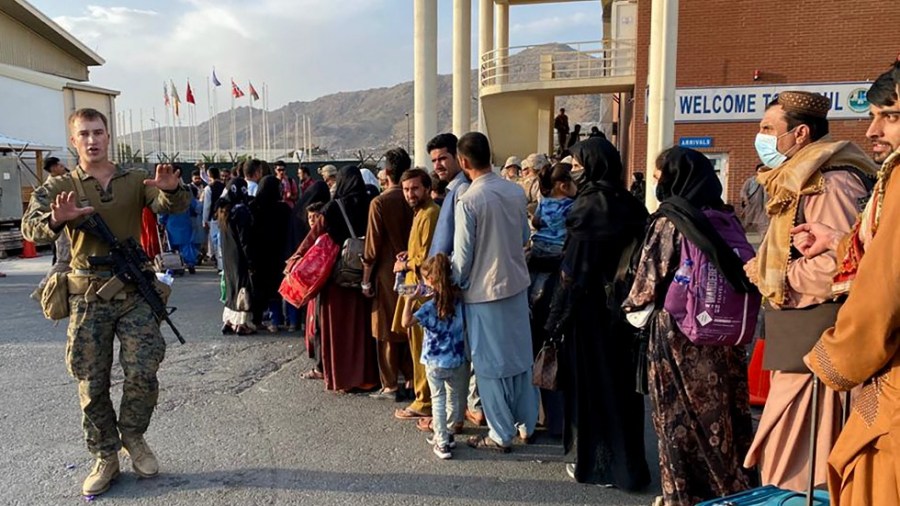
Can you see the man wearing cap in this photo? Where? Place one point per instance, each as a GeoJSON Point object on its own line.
{"type": "Point", "coordinates": [809, 177]}
{"type": "Point", "coordinates": [860, 352]}
{"type": "Point", "coordinates": [530, 181]}
{"type": "Point", "coordinates": [329, 175]}
{"type": "Point", "coordinates": [511, 169]}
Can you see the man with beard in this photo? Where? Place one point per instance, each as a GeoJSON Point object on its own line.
{"type": "Point", "coordinates": [489, 265]}
{"type": "Point", "coordinates": [862, 347]}
{"type": "Point", "coordinates": [813, 178]}
{"type": "Point", "coordinates": [416, 184]}
{"type": "Point", "coordinates": [387, 235]}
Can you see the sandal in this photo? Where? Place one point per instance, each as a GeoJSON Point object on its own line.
{"type": "Point", "coordinates": [408, 414]}
{"type": "Point", "coordinates": [312, 374]}
{"type": "Point", "coordinates": [486, 443]}
{"type": "Point", "coordinates": [424, 424]}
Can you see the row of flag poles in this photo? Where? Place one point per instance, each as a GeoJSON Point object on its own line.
{"type": "Point", "coordinates": [169, 135]}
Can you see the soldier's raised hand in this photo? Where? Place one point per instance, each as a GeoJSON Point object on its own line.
{"type": "Point", "coordinates": [165, 179]}
{"type": "Point", "coordinates": [65, 208]}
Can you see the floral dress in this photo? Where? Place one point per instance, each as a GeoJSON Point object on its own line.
{"type": "Point", "coordinates": [700, 402]}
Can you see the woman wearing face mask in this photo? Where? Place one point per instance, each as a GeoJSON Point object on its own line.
{"type": "Point", "coordinates": [810, 178]}
{"type": "Point", "coordinates": [603, 413]}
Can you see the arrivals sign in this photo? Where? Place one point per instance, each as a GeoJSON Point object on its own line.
{"type": "Point", "coordinates": [747, 103]}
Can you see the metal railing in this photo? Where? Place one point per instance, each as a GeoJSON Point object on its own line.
{"type": "Point", "coordinates": [549, 62]}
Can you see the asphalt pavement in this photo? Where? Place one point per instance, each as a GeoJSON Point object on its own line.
{"type": "Point", "coordinates": [236, 425]}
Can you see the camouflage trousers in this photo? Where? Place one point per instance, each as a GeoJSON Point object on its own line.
{"type": "Point", "coordinates": [89, 358]}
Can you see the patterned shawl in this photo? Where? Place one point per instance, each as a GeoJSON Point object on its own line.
{"type": "Point", "coordinates": [852, 251]}
{"type": "Point", "coordinates": [799, 176]}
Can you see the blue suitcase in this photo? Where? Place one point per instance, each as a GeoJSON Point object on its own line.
{"type": "Point", "coordinates": [769, 495]}
{"type": "Point", "coordinates": [774, 496]}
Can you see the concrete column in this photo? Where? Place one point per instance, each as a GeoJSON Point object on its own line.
{"type": "Point", "coordinates": [462, 66]}
{"type": "Point", "coordinates": [544, 126]}
{"type": "Point", "coordinates": [661, 84]}
{"type": "Point", "coordinates": [485, 45]}
{"type": "Point", "coordinates": [501, 44]}
{"type": "Point", "coordinates": [425, 76]}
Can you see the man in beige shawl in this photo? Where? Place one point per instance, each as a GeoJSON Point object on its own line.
{"type": "Point", "coordinates": [810, 178]}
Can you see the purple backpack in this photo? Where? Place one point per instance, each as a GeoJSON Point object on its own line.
{"type": "Point", "coordinates": [706, 308]}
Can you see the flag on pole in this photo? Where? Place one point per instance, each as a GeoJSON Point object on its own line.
{"type": "Point", "coordinates": [235, 91]}
{"type": "Point", "coordinates": [253, 92]}
{"type": "Point", "coordinates": [175, 98]}
{"type": "Point", "coordinates": [166, 93]}
{"type": "Point", "coordinates": [215, 80]}
{"type": "Point", "coordinates": [189, 95]}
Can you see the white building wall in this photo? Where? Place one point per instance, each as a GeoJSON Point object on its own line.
{"type": "Point", "coordinates": [33, 113]}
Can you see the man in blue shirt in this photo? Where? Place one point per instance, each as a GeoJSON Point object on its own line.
{"type": "Point", "coordinates": [442, 149]}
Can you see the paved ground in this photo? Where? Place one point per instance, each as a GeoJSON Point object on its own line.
{"type": "Point", "coordinates": [236, 425]}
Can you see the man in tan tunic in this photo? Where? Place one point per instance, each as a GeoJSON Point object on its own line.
{"type": "Point", "coordinates": [390, 220]}
{"type": "Point", "coordinates": [417, 191]}
{"type": "Point", "coordinates": [863, 347]}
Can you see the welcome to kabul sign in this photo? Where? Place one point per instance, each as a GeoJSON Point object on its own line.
{"type": "Point", "coordinates": [748, 103]}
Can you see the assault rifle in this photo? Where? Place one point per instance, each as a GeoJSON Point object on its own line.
{"type": "Point", "coordinates": [127, 259]}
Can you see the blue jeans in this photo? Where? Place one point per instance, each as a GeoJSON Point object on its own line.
{"type": "Point", "coordinates": [275, 307]}
{"type": "Point", "coordinates": [448, 397]}
{"type": "Point", "coordinates": [215, 243]}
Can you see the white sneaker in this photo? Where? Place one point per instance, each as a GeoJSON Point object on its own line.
{"type": "Point", "coordinates": [443, 452]}
{"type": "Point", "coordinates": [451, 443]}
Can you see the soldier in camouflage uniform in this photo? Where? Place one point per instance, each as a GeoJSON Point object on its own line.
{"type": "Point", "coordinates": [119, 196]}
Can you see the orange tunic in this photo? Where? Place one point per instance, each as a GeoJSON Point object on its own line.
{"type": "Point", "coordinates": [862, 348]}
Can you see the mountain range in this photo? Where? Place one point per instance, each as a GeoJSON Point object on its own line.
{"type": "Point", "coordinates": [347, 123]}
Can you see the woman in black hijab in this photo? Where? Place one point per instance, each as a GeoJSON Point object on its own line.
{"type": "Point", "coordinates": [604, 415]}
{"type": "Point", "coordinates": [699, 396]}
{"type": "Point", "coordinates": [348, 348]}
{"type": "Point", "coordinates": [271, 221]}
{"type": "Point", "coordinates": [235, 223]}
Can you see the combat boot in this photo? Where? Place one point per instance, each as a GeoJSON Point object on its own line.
{"type": "Point", "coordinates": [105, 470]}
{"type": "Point", "coordinates": [143, 461]}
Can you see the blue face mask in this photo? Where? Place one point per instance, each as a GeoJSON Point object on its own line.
{"type": "Point", "coordinates": [767, 149]}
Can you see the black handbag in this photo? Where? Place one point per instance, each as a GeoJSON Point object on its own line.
{"type": "Point", "coordinates": [348, 271]}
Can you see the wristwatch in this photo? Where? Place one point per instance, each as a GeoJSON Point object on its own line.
{"type": "Point", "coordinates": [365, 286]}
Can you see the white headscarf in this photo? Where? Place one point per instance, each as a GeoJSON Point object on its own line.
{"type": "Point", "coordinates": [370, 178]}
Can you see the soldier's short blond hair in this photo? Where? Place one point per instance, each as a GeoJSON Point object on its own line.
{"type": "Point", "coordinates": [88, 114]}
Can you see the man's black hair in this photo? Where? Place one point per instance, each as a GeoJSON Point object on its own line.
{"type": "Point", "coordinates": [885, 91]}
{"type": "Point", "coordinates": [214, 173]}
{"type": "Point", "coordinates": [476, 148]}
{"type": "Point", "coordinates": [397, 162]}
{"type": "Point", "coordinates": [50, 162]}
{"type": "Point", "coordinates": [446, 141]}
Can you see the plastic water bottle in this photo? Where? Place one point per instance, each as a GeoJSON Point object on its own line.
{"type": "Point", "coordinates": [399, 278]}
{"type": "Point", "coordinates": [166, 278]}
{"type": "Point", "coordinates": [683, 274]}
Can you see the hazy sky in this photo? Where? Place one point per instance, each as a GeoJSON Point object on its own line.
{"type": "Point", "coordinates": [302, 49]}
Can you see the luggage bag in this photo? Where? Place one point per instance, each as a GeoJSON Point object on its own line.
{"type": "Point", "coordinates": [167, 260]}
{"type": "Point", "coordinates": [772, 495]}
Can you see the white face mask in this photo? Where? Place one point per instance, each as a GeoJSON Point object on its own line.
{"type": "Point", "coordinates": [767, 149]}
